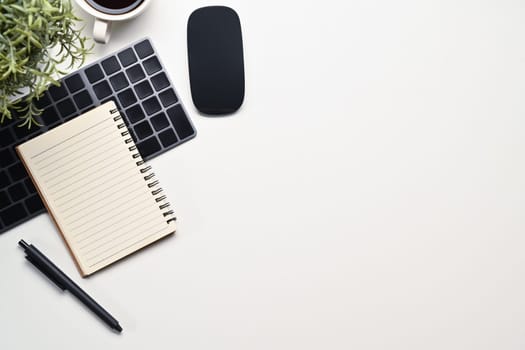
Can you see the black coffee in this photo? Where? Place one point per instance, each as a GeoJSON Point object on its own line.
{"type": "Point", "coordinates": [114, 7]}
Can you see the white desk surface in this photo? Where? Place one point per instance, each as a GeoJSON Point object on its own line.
{"type": "Point", "coordinates": [369, 195]}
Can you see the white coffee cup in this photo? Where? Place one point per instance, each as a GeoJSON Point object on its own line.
{"type": "Point", "coordinates": [104, 17]}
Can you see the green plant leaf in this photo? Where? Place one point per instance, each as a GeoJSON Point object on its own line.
{"type": "Point", "coordinates": [37, 38]}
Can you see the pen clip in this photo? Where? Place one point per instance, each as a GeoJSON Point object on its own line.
{"type": "Point", "coordinates": [45, 272]}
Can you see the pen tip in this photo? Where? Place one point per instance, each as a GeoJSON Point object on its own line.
{"type": "Point", "coordinates": [23, 244]}
{"type": "Point", "coordinates": [118, 328]}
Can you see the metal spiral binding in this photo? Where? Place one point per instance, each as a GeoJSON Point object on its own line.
{"type": "Point", "coordinates": [146, 171]}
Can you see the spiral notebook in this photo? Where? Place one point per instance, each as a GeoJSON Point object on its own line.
{"type": "Point", "coordinates": [105, 201]}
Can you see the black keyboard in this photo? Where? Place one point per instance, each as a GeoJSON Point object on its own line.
{"type": "Point", "coordinates": [135, 79]}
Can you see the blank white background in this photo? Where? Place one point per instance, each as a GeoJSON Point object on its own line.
{"type": "Point", "coordinates": [370, 193]}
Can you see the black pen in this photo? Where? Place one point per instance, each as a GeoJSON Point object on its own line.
{"type": "Point", "coordinates": [35, 257]}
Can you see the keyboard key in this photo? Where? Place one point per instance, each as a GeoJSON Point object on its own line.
{"type": "Point", "coordinates": [74, 83]}
{"type": "Point", "coordinates": [4, 180]}
{"type": "Point", "coordinates": [17, 172]}
{"type": "Point", "coordinates": [135, 114]}
{"type": "Point", "coordinates": [34, 204]}
{"type": "Point", "coordinates": [17, 192]}
{"type": "Point", "coordinates": [6, 158]}
{"type": "Point", "coordinates": [152, 65]}
{"type": "Point", "coordinates": [144, 49]}
{"type": "Point", "coordinates": [57, 92]}
{"type": "Point", "coordinates": [115, 101]}
{"type": "Point", "coordinates": [160, 121]}
{"type": "Point", "coordinates": [23, 131]}
{"type": "Point", "coordinates": [119, 81]}
{"type": "Point", "coordinates": [143, 130]}
{"type": "Point", "coordinates": [148, 147]}
{"type": "Point", "coordinates": [4, 200]}
{"type": "Point", "coordinates": [180, 122]}
{"type": "Point", "coordinates": [66, 108]}
{"type": "Point", "coordinates": [151, 105]}
{"type": "Point", "coordinates": [102, 90]}
{"type": "Point", "coordinates": [66, 119]}
{"type": "Point", "coordinates": [160, 81]}
{"type": "Point", "coordinates": [110, 65]}
{"type": "Point", "coordinates": [82, 99]}
{"type": "Point", "coordinates": [13, 214]}
{"type": "Point", "coordinates": [50, 116]}
{"type": "Point", "coordinates": [168, 138]}
{"type": "Point", "coordinates": [94, 73]}
{"type": "Point", "coordinates": [127, 57]}
{"type": "Point", "coordinates": [135, 73]}
{"type": "Point", "coordinates": [143, 89]}
{"type": "Point", "coordinates": [43, 101]}
{"type": "Point", "coordinates": [127, 98]}
{"type": "Point", "coordinates": [29, 186]}
{"type": "Point", "coordinates": [168, 97]}
{"type": "Point", "coordinates": [6, 137]}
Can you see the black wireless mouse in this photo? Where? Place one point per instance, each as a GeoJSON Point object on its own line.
{"type": "Point", "coordinates": [215, 58]}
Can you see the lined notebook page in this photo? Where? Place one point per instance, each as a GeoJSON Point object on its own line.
{"type": "Point", "coordinates": [105, 201]}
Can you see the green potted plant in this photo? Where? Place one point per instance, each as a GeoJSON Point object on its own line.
{"type": "Point", "coordinates": [38, 39]}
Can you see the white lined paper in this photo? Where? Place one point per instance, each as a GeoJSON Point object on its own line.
{"type": "Point", "coordinates": [93, 187]}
